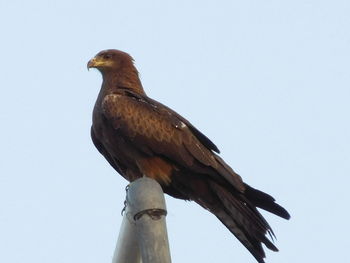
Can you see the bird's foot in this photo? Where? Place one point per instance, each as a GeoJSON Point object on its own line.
{"type": "Point", "coordinates": [124, 208]}
{"type": "Point", "coordinates": [125, 201]}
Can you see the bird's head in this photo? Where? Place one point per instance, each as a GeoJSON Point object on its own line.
{"type": "Point", "coordinates": [118, 67]}
{"type": "Point", "coordinates": [110, 60]}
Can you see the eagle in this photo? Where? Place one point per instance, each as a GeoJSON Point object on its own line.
{"type": "Point", "coordinates": [139, 137]}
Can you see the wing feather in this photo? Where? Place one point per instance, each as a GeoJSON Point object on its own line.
{"type": "Point", "coordinates": [150, 125]}
{"type": "Point", "coordinates": [146, 127]}
{"type": "Point", "coordinates": [112, 161]}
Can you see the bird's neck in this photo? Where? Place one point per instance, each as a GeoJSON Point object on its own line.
{"type": "Point", "coordinates": [125, 79]}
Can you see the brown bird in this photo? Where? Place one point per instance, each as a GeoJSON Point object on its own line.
{"type": "Point", "coordinates": [140, 136]}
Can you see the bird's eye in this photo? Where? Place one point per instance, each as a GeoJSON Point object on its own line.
{"type": "Point", "coordinates": [107, 56]}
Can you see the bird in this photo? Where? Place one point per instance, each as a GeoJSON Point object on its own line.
{"type": "Point", "coordinates": [140, 136]}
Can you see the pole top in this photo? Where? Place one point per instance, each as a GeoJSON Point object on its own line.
{"type": "Point", "coordinates": [145, 196]}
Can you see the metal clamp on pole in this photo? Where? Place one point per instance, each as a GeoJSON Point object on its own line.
{"type": "Point", "coordinates": [143, 230]}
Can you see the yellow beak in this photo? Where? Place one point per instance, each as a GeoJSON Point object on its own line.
{"type": "Point", "coordinates": [93, 63]}
{"type": "Point", "coordinates": [98, 62]}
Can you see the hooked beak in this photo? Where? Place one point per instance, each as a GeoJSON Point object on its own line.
{"type": "Point", "coordinates": [99, 63]}
{"type": "Point", "coordinates": [92, 63]}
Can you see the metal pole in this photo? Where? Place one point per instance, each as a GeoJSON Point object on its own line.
{"type": "Point", "coordinates": [127, 249]}
{"type": "Point", "coordinates": [145, 216]}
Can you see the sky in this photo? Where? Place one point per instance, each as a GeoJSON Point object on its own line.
{"type": "Point", "coordinates": [267, 81]}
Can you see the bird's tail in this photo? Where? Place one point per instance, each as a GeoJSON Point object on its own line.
{"type": "Point", "coordinates": [237, 211]}
{"type": "Point", "coordinates": [264, 201]}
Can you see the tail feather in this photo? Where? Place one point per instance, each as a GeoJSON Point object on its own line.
{"type": "Point", "coordinates": [265, 201]}
{"type": "Point", "coordinates": [244, 221]}
{"type": "Point", "coordinates": [254, 248]}
{"type": "Point", "coordinates": [237, 210]}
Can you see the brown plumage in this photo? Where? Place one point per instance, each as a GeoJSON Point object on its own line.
{"type": "Point", "coordinates": [140, 136]}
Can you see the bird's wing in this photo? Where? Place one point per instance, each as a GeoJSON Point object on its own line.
{"type": "Point", "coordinates": [156, 130]}
{"type": "Point", "coordinates": [112, 161]}
{"type": "Point", "coordinates": [198, 134]}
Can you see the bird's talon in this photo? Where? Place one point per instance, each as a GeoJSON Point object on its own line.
{"type": "Point", "coordinates": [124, 208]}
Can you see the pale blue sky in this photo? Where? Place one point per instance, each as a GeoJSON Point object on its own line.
{"type": "Point", "coordinates": [267, 81]}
